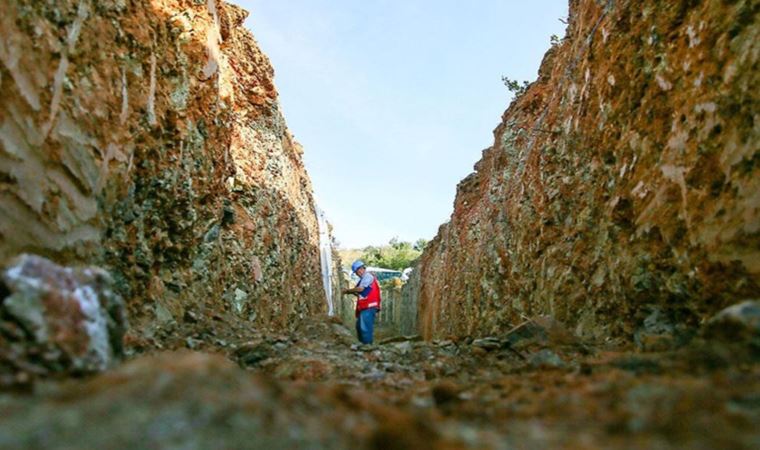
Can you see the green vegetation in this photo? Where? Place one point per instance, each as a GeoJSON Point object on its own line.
{"type": "Point", "coordinates": [514, 86]}
{"type": "Point", "coordinates": [397, 255]}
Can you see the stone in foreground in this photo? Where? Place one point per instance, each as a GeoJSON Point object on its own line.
{"type": "Point", "coordinates": [57, 319]}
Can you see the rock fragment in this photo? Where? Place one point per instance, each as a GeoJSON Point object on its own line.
{"type": "Point", "coordinates": [546, 359]}
{"type": "Point", "coordinates": [656, 333]}
{"type": "Point", "coordinates": [488, 343]}
{"type": "Point", "coordinates": [737, 323]}
{"type": "Point", "coordinates": [539, 331]}
{"type": "Point", "coordinates": [58, 319]}
{"type": "Point", "coordinates": [253, 353]}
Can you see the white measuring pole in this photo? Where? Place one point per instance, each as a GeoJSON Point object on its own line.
{"type": "Point", "coordinates": [325, 256]}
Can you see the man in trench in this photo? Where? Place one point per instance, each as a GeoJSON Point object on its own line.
{"type": "Point", "coordinates": [368, 303]}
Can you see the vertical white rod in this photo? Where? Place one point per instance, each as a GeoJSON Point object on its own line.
{"type": "Point", "coordinates": [325, 256]}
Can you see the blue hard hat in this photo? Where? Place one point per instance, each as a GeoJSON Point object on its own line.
{"type": "Point", "coordinates": [358, 264]}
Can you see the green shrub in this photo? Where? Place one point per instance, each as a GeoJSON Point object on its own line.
{"type": "Point", "coordinates": [397, 255]}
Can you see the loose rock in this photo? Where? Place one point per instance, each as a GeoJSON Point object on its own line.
{"type": "Point", "coordinates": [58, 319]}
{"type": "Point", "coordinates": [737, 323]}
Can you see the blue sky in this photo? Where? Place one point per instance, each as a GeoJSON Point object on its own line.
{"type": "Point", "coordinates": [394, 100]}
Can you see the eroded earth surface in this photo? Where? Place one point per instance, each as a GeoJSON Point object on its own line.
{"type": "Point", "coordinates": [536, 386]}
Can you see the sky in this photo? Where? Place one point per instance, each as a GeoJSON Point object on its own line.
{"type": "Point", "coordinates": [395, 100]}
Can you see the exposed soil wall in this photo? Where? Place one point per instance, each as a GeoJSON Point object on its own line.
{"type": "Point", "coordinates": [146, 137]}
{"type": "Point", "coordinates": [623, 185]}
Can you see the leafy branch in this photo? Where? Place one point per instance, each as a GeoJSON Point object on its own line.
{"type": "Point", "coordinates": [515, 86]}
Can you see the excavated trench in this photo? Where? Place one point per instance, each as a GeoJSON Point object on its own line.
{"type": "Point", "coordinates": [596, 286]}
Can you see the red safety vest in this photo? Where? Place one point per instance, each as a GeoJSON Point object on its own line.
{"type": "Point", "coordinates": [372, 300]}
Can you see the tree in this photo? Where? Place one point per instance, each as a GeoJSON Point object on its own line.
{"type": "Point", "coordinates": [397, 255]}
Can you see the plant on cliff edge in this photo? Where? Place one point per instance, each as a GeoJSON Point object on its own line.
{"type": "Point", "coordinates": [514, 86]}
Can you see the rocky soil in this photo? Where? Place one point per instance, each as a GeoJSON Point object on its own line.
{"type": "Point", "coordinates": [145, 137]}
{"type": "Point", "coordinates": [536, 386]}
{"type": "Point", "coordinates": [624, 184]}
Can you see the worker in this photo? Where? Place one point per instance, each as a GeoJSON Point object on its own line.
{"type": "Point", "coordinates": [368, 303]}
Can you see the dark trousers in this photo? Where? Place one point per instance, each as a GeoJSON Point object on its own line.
{"type": "Point", "coordinates": [365, 325]}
